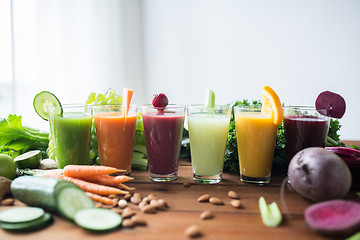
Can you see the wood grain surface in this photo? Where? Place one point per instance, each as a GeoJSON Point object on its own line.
{"type": "Point", "coordinates": [184, 210]}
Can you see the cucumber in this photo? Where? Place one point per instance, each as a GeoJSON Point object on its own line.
{"type": "Point", "coordinates": [97, 219]}
{"type": "Point", "coordinates": [36, 224]}
{"type": "Point", "coordinates": [21, 214]}
{"type": "Point", "coordinates": [29, 159]}
{"type": "Point", "coordinates": [42, 101]}
{"type": "Point", "coordinates": [71, 200]}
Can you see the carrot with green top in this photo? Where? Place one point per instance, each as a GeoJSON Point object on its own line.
{"type": "Point", "coordinates": [107, 180]}
{"type": "Point", "coordinates": [94, 188]}
{"type": "Point", "coordinates": [102, 199]}
{"type": "Point", "coordinates": [78, 171]}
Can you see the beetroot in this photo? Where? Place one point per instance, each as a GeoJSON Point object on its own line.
{"type": "Point", "coordinates": [333, 103]}
{"type": "Point", "coordinates": [350, 156]}
{"type": "Point", "coordinates": [335, 217]}
{"type": "Point", "coordinates": [319, 175]}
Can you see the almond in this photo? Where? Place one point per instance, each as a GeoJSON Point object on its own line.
{"type": "Point", "coordinates": [187, 184]}
{"type": "Point", "coordinates": [127, 223]}
{"type": "Point", "coordinates": [235, 203]}
{"type": "Point", "coordinates": [204, 198]}
{"type": "Point", "coordinates": [206, 215]}
{"type": "Point", "coordinates": [233, 195]}
{"type": "Point", "coordinates": [8, 202]}
{"type": "Point", "coordinates": [128, 213]}
{"type": "Point", "coordinates": [138, 221]}
{"type": "Point", "coordinates": [193, 231]}
{"type": "Point", "coordinates": [148, 209]}
{"type": "Point", "coordinates": [216, 201]}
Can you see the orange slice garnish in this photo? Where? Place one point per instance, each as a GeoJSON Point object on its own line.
{"type": "Point", "coordinates": [271, 105]}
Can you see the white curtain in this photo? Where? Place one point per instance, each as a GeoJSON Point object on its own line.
{"type": "Point", "coordinates": [182, 47]}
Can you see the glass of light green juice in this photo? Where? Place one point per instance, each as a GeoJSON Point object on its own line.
{"type": "Point", "coordinates": [208, 131]}
{"type": "Point", "coordinates": [70, 129]}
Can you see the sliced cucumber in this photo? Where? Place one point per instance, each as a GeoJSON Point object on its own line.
{"type": "Point", "coordinates": [71, 200]}
{"type": "Point", "coordinates": [98, 219]}
{"type": "Point", "coordinates": [36, 224]}
{"type": "Point", "coordinates": [39, 191]}
{"type": "Point", "coordinates": [42, 101]}
{"type": "Point", "coordinates": [29, 159]}
{"type": "Point", "coordinates": [21, 214]}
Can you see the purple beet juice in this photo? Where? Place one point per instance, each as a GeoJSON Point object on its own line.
{"type": "Point", "coordinates": [304, 131]}
{"type": "Point", "coordinates": [163, 132]}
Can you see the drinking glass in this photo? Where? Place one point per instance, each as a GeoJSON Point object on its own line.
{"type": "Point", "coordinates": [163, 132]}
{"type": "Point", "coordinates": [115, 135]}
{"type": "Point", "coordinates": [208, 131]}
{"type": "Point", "coordinates": [256, 137]}
{"type": "Point", "coordinates": [70, 128]}
{"type": "Point", "coordinates": [305, 126]}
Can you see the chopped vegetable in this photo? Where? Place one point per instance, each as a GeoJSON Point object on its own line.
{"type": "Point", "coordinates": [98, 219]}
{"type": "Point", "coordinates": [21, 214]}
{"type": "Point", "coordinates": [29, 159]}
{"type": "Point", "coordinates": [335, 217]}
{"type": "Point", "coordinates": [210, 98]}
{"type": "Point", "coordinates": [332, 103]}
{"type": "Point", "coordinates": [270, 214]}
{"type": "Point", "coordinates": [94, 188]}
{"type": "Point", "coordinates": [33, 225]}
{"type": "Point", "coordinates": [78, 171]}
{"type": "Point", "coordinates": [16, 139]}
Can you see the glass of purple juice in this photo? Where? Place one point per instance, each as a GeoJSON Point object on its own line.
{"type": "Point", "coordinates": [305, 126]}
{"type": "Point", "coordinates": [163, 131]}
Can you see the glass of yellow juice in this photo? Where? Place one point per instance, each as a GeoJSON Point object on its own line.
{"type": "Point", "coordinates": [256, 137]}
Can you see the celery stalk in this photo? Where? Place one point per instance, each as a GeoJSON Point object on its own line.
{"type": "Point", "coordinates": [270, 214]}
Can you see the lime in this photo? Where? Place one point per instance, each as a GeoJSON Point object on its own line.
{"type": "Point", "coordinates": [42, 101]}
{"type": "Point", "coordinates": [7, 166]}
{"type": "Point", "coordinates": [29, 159]}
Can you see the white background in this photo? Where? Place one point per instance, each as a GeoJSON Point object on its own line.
{"type": "Point", "coordinates": [299, 48]}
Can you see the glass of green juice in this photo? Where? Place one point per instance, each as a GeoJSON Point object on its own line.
{"type": "Point", "coordinates": [208, 131]}
{"type": "Point", "coordinates": [70, 128]}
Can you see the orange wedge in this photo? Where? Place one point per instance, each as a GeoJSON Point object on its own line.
{"type": "Point", "coordinates": [271, 105]}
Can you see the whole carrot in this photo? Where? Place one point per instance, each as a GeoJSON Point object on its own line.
{"type": "Point", "coordinates": [94, 188]}
{"type": "Point", "coordinates": [78, 171]}
{"type": "Point", "coordinates": [102, 199]}
{"type": "Point", "coordinates": [107, 180]}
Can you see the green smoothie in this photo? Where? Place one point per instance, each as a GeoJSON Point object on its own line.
{"type": "Point", "coordinates": [71, 138]}
{"type": "Point", "coordinates": [208, 136]}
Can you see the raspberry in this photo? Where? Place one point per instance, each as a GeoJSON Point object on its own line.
{"type": "Point", "coordinates": [160, 100]}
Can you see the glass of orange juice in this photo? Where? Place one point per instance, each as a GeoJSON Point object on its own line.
{"type": "Point", "coordinates": [256, 137]}
{"type": "Point", "coordinates": [115, 133]}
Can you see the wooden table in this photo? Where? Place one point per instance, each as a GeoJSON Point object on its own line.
{"type": "Point", "coordinates": [184, 210]}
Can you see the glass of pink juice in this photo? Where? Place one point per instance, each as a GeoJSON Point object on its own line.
{"type": "Point", "coordinates": [163, 131]}
{"type": "Point", "coordinates": [304, 127]}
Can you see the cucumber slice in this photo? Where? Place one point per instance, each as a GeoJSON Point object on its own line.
{"type": "Point", "coordinates": [98, 219]}
{"type": "Point", "coordinates": [21, 214]}
{"type": "Point", "coordinates": [42, 101]}
{"type": "Point", "coordinates": [36, 224]}
{"type": "Point", "coordinates": [29, 159]}
{"type": "Point", "coordinates": [71, 200]}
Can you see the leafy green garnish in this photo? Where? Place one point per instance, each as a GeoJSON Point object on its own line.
{"type": "Point", "coordinates": [16, 139]}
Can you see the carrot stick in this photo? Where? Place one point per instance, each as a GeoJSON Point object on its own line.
{"type": "Point", "coordinates": [78, 171]}
{"type": "Point", "coordinates": [127, 95]}
{"type": "Point", "coordinates": [98, 198]}
{"type": "Point", "coordinates": [106, 179]}
{"type": "Point", "coordinates": [94, 188]}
